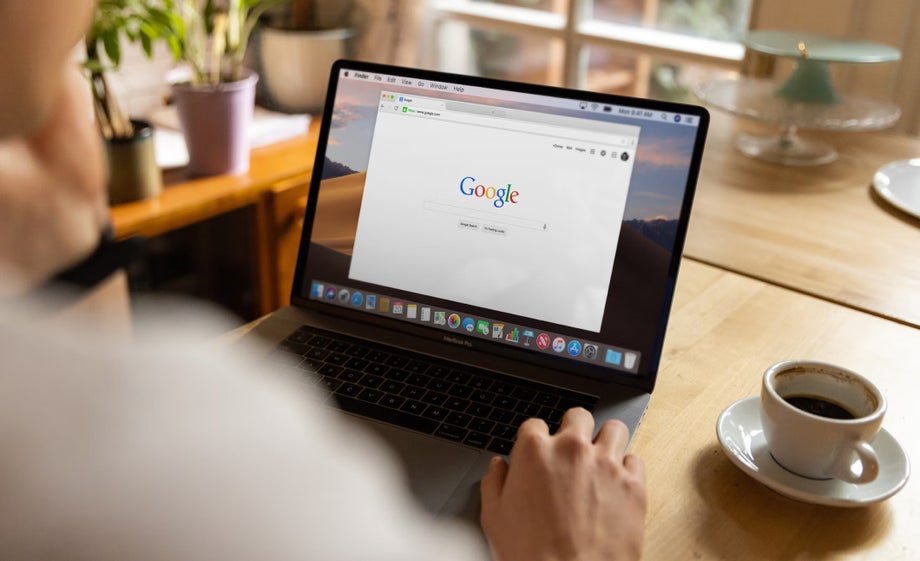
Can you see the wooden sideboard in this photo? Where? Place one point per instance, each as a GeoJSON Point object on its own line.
{"type": "Point", "coordinates": [272, 191]}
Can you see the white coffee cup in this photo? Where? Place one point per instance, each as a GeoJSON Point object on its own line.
{"type": "Point", "coordinates": [808, 442]}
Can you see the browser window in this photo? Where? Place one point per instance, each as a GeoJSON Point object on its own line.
{"type": "Point", "coordinates": [453, 207]}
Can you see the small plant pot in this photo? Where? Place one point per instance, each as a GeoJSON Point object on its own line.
{"type": "Point", "coordinates": [133, 171]}
{"type": "Point", "coordinates": [215, 121]}
{"type": "Point", "coordinates": [295, 65]}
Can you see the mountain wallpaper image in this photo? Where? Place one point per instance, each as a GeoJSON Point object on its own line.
{"type": "Point", "coordinates": [657, 186]}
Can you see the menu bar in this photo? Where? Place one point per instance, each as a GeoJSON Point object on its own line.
{"type": "Point", "coordinates": [591, 109]}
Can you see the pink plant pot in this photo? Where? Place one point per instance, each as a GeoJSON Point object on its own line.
{"type": "Point", "coordinates": [215, 120]}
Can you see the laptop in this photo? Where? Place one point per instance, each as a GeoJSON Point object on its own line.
{"type": "Point", "coordinates": [477, 252]}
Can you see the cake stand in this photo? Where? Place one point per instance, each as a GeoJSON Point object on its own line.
{"type": "Point", "coordinates": [807, 100]}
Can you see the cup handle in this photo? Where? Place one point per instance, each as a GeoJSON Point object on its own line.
{"type": "Point", "coordinates": [868, 459]}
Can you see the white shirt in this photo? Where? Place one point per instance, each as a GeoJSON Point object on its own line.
{"type": "Point", "coordinates": [176, 448]}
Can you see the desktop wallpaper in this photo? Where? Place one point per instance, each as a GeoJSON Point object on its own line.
{"type": "Point", "coordinates": [659, 175]}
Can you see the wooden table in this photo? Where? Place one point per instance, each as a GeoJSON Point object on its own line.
{"type": "Point", "coordinates": [278, 175]}
{"type": "Point", "coordinates": [781, 263]}
{"type": "Point", "coordinates": [725, 330]}
{"type": "Point", "coordinates": [819, 230]}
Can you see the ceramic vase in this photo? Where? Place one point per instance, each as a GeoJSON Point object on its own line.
{"type": "Point", "coordinates": [215, 121]}
{"type": "Point", "coordinates": [133, 171]}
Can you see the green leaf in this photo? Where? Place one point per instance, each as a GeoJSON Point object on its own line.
{"type": "Point", "coordinates": [112, 46]}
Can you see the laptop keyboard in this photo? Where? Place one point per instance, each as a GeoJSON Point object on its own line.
{"type": "Point", "coordinates": [479, 408]}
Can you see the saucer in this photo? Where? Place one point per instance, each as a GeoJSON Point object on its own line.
{"type": "Point", "coordinates": [741, 436]}
{"type": "Point", "coordinates": [899, 184]}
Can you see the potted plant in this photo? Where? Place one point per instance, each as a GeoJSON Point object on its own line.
{"type": "Point", "coordinates": [299, 45]}
{"type": "Point", "coordinates": [133, 171]}
{"type": "Point", "coordinates": [215, 106]}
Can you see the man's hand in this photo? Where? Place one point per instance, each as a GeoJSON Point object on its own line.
{"type": "Point", "coordinates": [53, 202]}
{"type": "Point", "coordinates": [565, 497]}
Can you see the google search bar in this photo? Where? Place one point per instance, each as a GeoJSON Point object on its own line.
{"type": "Point", "coordinates": [488, 218]}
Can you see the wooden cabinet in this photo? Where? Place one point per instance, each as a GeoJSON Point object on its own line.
{"type": "Point", "coordinates": [272, 193]}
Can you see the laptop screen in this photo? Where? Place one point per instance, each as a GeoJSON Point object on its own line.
{"type": "Point", "coordinates": [538, 222]}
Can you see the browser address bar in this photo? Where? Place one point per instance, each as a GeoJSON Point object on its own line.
{"type": "Point", "coordinates": [556, 131]}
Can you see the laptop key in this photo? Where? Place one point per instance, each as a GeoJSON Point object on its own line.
{"type": "Point", "coordinates": [387, 415]}
{"type": "Point", "coordinates": [477, 439]}
{"type": "Point", "coordinates": [504, 431]}
{"type": "Point", "coordinates": [331, 383]}
{"type": "Point", "coordinates": [320, 341]}
{"type": "Point", "coordinates": [329, 370]}
{"type": "Point", "coordinates": [438, 371]}
{"type": "Point", "coordinates": [317, 353]}
{"type": "Point", "coordinates": [460, 391]}
{"type": "Point", "coordinates": [337, 358]}
{"type": "Point", "coordinates": [357, 363]}
{"type": "Point", "coordinates": [547, 399]}
{"type": "Point", "coordinates": [390, 386]}
{"type": "Point", "coordinates": [357, 351]}
{"type": "Point", "coordinates": [479, 410]}
{"type": "Point", "coordinates": [500, 446]}
{"type": "Point", "coordinates": [480, 396]}
{"type": "Point", "coordinates": [393, 401]}
{"type": "Point", "coordinates": [414, 407]}
{"type": "Point", "coordinates": [397, 374]}
{"type": "Point", "coordinates": [435, 412]}
{"type": "Point", "coordinates": [299, 336]}
{"type": "Point", "coordinates": [349, 390]}
{"type": "Point", "coordinates": [370, 395]}
{"type": "Point", "coordinates": [397, 361]}
{"type": "Point", "coordinates": [504, 402]}
{"type": "Point", "coordinates": [551, 415]}
{"type": "Point", "coordinates": [528, 409]}
{"type": "Point", "coordinates": [349, 376]}
{"type": "Point", "coordinates": [412, 392]}
{"type": "Point", "coordinates": [377, 369]}
{"type": "Point", "coordinates": [417, 366]}
{"type": "Point", "coordinates": [458, 377]}
{"type": "Point", "coordinates": [418, 380]}
{"type": "Point", "coordinates": [450, 432]}
{"type": "Point", "coordinates": [458, 419]}
{"type": "Point", "coordinates": [377, 356]}
{"type": "Point", "coordinates": [456, 404]}
{"type": "Point", "coordinates": [438, 385]}
{"type": "Point", "coordinates": [501, 416]}
{"type": "Point", "coordinates": [338, 346]}
{"type": "Point", "coordinates": [435, 398]}
{"type": "Point", "coordinates": [371, 381]}
{"type": "Point", "coordinates": [501, 388]}
{"type": "Point", "coordinates": [482, 425]}
{"type": "Point", "coordinates": [524, 394]}
{"type": "Point", "coordinates": [478, 383]}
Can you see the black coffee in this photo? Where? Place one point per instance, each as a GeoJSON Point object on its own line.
{"type": "Point", "coordinates": [819, 406]}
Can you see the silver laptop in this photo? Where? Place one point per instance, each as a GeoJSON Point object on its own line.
{"type": "Point", "coordinates": [478, 252]}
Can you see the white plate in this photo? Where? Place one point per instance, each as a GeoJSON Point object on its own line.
{"type": "Point", "coordinates": [899, 184]}
{"type": "Point", "coordinates": [741, 436]}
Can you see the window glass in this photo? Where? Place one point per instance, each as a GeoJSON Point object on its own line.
{"type": "Point", "coordinates": [558, 6]}
{"type": "Point", "coordinates": [493, 54]}
{"type": "Point", "coordinates": [725, 20]}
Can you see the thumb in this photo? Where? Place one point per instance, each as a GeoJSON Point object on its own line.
{"type": "Point", "coordinates": [493, 482]}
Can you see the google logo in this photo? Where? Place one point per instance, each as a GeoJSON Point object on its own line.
{"type": "Point", "coordinates": [498, 196]}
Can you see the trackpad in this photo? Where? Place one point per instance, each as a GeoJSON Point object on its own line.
{"type": "Point", "coordinates": [435, 468]}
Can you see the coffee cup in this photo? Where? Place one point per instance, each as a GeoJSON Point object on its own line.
{"type": "Point", "coordinates": [819, 420]}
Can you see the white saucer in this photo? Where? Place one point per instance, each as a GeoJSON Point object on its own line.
{"type": "Point", "coordinates": [899, 184]}
{"type": "Point", "coordinates": [741, 436]}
